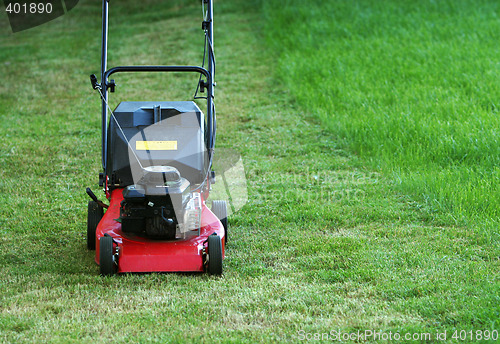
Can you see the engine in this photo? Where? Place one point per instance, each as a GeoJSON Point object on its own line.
{"type": "Point", "coordinates": [160, 205]}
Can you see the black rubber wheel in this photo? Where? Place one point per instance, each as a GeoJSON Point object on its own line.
{"type": "Point", "coordinates": [214, 258]}
{"type": "Point", "coordinates": [106, 256]}
{"type": "Point", "coordinates": [94, 216]}
{"type": "Point", "coordinates": [219, 208]}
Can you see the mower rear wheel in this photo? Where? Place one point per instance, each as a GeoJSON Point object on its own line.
{"type": "Point", "coordinates": [214, 258]}
{"type": "Point", "coordinates": [94, 216]}
{"type": "Point", "coordinates": [219, 208]}
{"type": "Point", "coordinates": [106, 256]}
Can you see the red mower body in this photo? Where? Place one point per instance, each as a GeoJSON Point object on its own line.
{"type": "Point", "coordinates": [138, 254]}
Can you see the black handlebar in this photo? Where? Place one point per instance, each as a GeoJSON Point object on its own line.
{"type": "Point", "coordinates": [194, 69]}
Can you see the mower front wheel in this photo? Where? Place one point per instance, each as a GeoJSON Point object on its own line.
{"type": "Point", "coordinates": [106, 256]}
{"type": "Point", "coordinates": [219, 208]}
{"type": "Point", "coordinates": [94, 216]}
{"type": "Point", "coordinates": [214, 255]}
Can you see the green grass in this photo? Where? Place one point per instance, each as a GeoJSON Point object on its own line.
{"type": "Point", "coordinates": [410, 86]}
{"type": "Point", "coordinates": [327, 240]}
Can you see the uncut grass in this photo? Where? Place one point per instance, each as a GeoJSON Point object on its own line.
{"type": "Point", "coordinates": [410, 86]}
{"type": "Point", "coordinates": [322, 244]}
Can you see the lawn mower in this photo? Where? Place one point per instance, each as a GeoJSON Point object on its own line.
{"type": "Point", "coordinates": [157, 170]}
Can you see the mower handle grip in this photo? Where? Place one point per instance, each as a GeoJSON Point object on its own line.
{"type": "Point", "coordinates": [192, 69]}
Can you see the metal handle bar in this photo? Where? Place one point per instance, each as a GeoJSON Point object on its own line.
{"type": "Point", "coordinates": [195, 69]}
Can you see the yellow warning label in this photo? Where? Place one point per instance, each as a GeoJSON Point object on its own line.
{"type": "Point", "coordinates": [156, 145]}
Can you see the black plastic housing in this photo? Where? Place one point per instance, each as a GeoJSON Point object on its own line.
{"type": "Point", "coordinates": [181, 122]}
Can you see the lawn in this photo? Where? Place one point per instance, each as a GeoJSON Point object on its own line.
{"type": "Point", "coordinates": [332, 237]}
{"type": "Point", "coordinates": [412, 87]}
